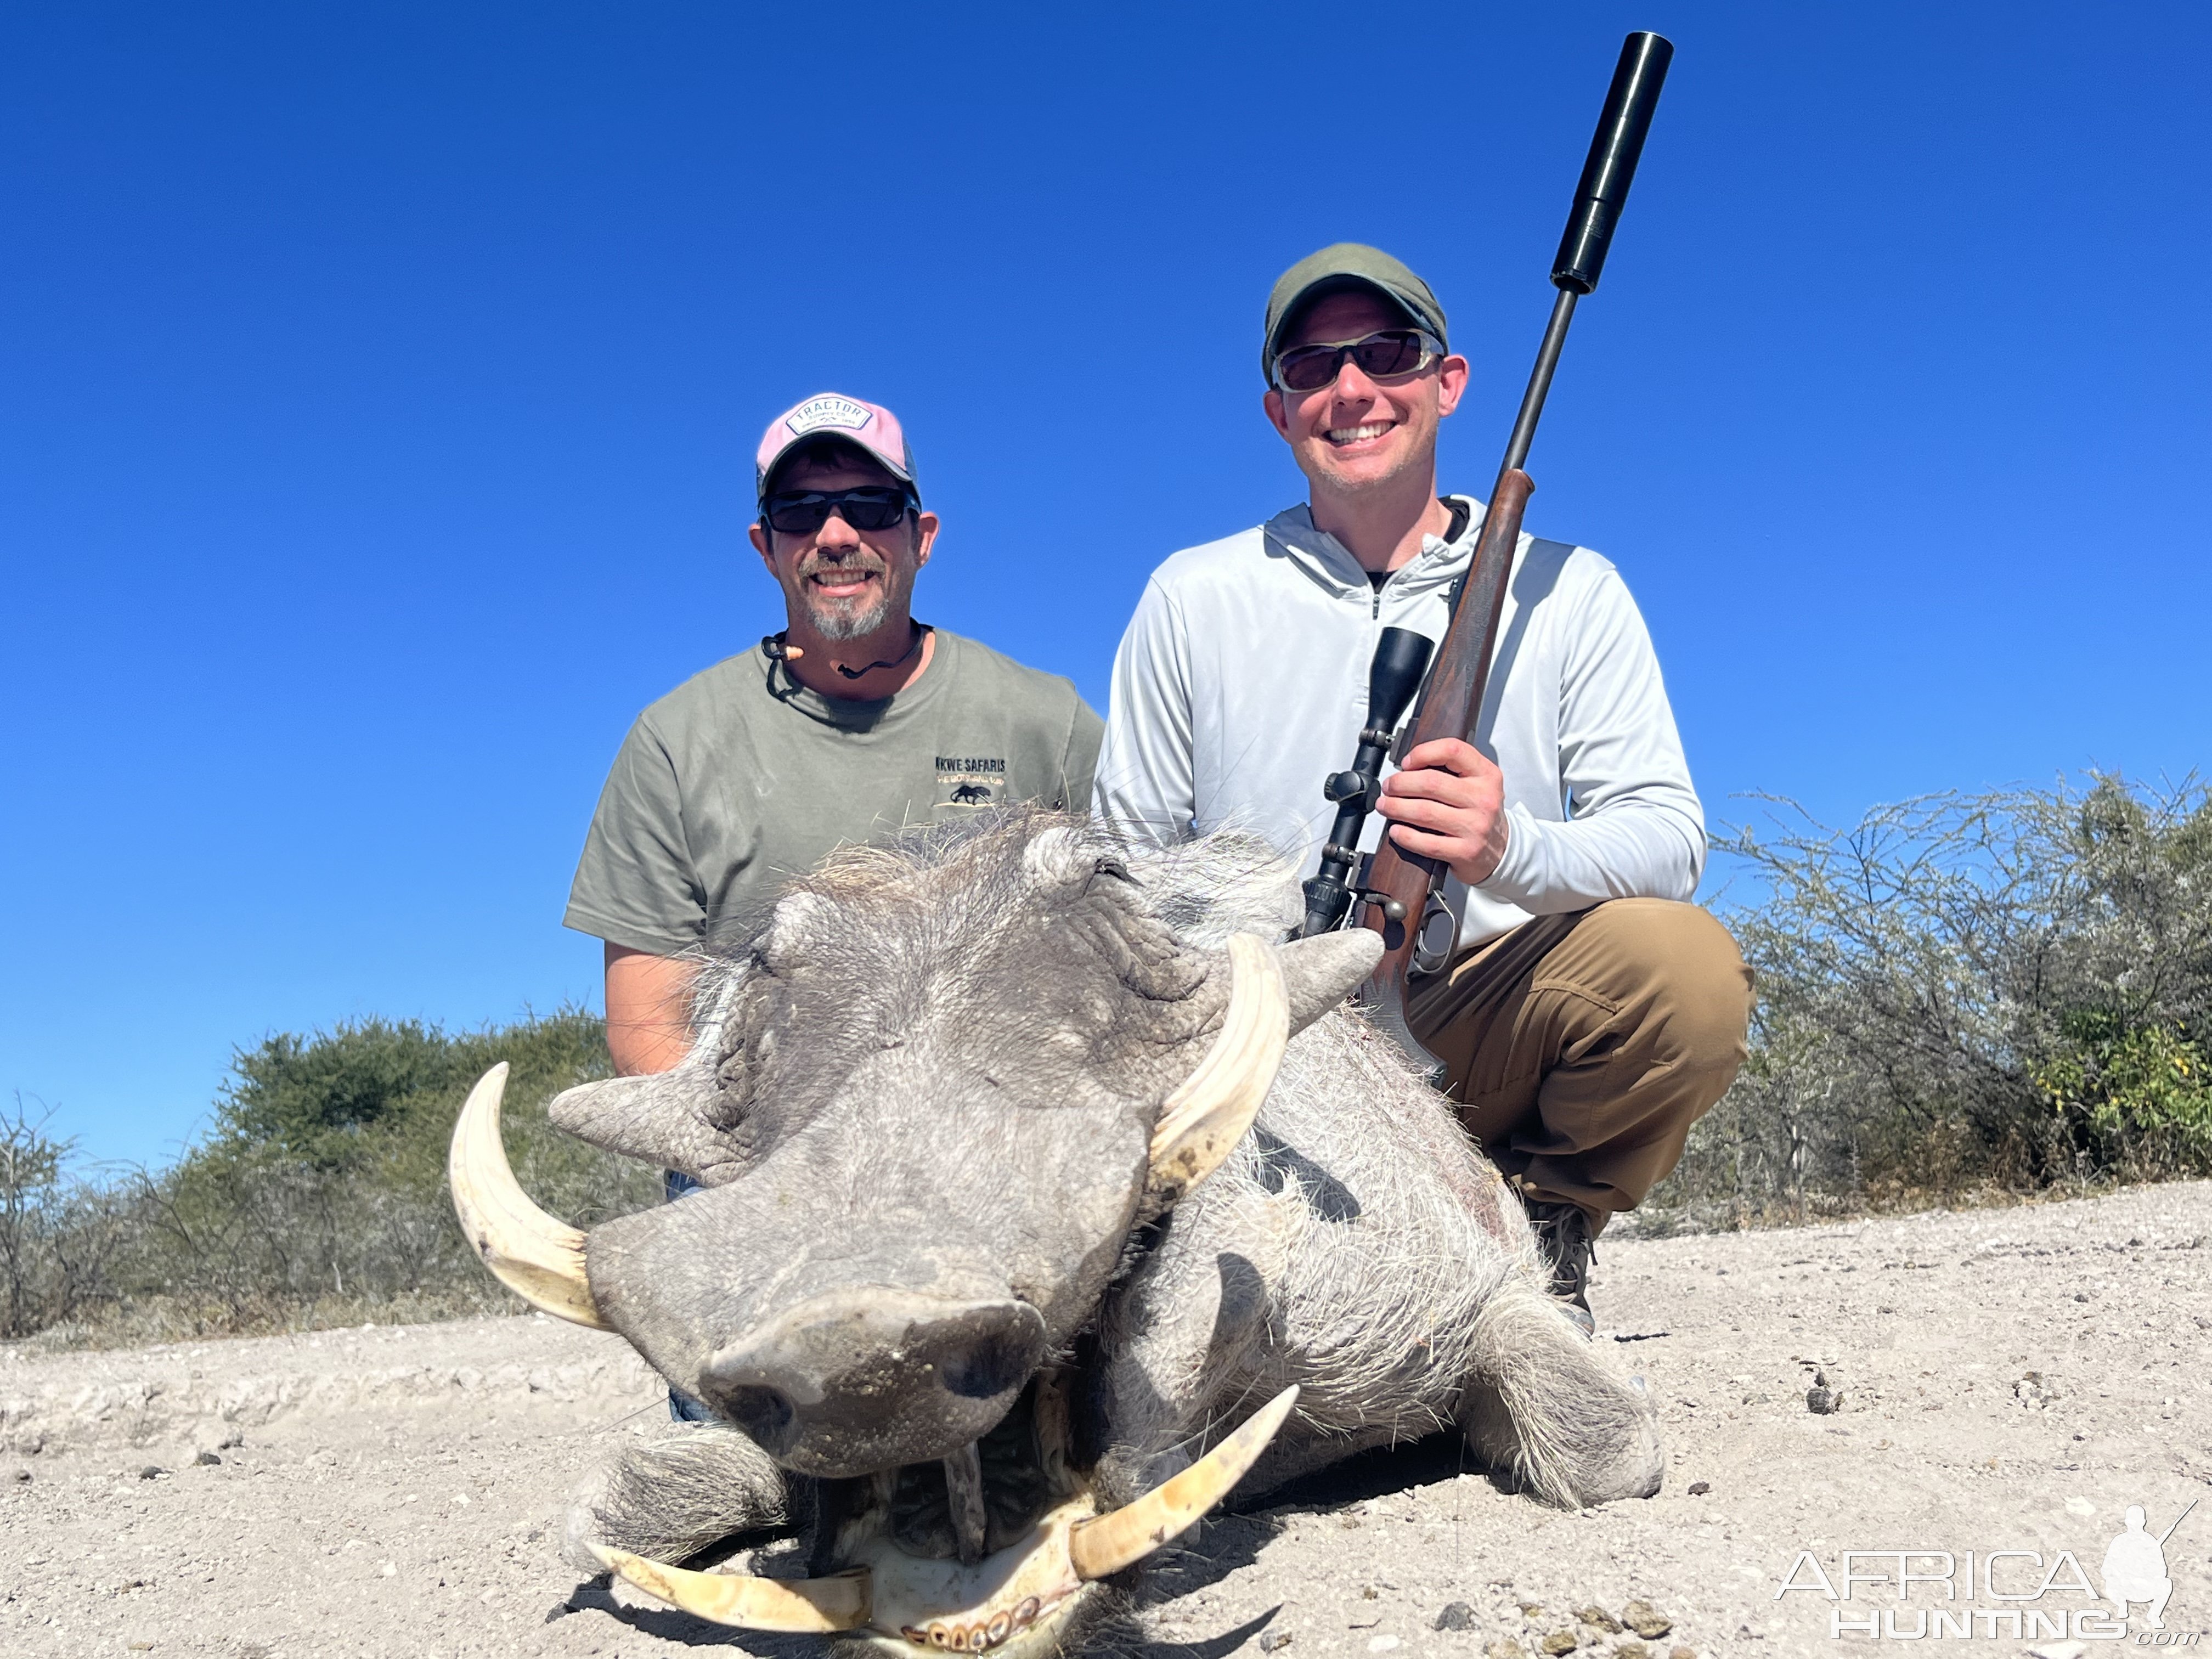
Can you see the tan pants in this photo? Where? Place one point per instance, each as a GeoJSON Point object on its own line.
{"type": "Point", "coordinates": [1582, 1048]}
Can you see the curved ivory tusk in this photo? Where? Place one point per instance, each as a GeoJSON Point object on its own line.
{"type": "Point", "coordinates": [1205, 1119]}
{"type": "Point", "coordinates": [1109, 1543]}
{"type": "Point", "coordinates": [840, 1602]}
{"type": "Point", "coordinates": [537, 1258]}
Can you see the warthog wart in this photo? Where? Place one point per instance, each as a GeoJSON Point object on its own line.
{"type": "Point", "coordinates": [1044, 1203]}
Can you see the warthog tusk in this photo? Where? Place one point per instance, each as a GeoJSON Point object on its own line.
{"type": "Point", "coordinates": [537, 1258]}
{"type": "Point", "coordinates": [837, 1602]}
{"type": "Point", "coordinates": [1109, 1543]}
{"type": "Point", "coordinates": [1205, 1119]}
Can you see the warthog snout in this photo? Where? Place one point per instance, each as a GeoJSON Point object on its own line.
{"type": "Point", "coordinates": [855, 1379]}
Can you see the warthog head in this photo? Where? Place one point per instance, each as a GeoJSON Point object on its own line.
{"type": "Point", "coordinates": [931, 1108]}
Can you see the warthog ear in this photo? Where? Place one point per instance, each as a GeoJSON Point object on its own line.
{"type": "Point", "coordinates": [1319, 973]}
{"type": "Point", "coordinates": [660, 1119]}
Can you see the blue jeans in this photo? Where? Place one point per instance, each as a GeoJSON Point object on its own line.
{"type": "Point", "coordinates": [682, 1408]}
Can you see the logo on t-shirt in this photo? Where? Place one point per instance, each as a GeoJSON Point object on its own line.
{"type": "Point", "coordinates": [971, 780]}
{"type": "Point", "coordinates": [831, 411]}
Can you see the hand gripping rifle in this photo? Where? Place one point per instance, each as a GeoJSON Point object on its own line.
{"type": "Point", "coordinates": [1401, 893]}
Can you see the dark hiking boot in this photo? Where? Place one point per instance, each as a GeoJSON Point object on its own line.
{"type": "Point", "coordinates": [1562, 1235]}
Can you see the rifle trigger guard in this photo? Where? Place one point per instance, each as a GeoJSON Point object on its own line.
{"type": "Point", "coordinates": [1430, 954]}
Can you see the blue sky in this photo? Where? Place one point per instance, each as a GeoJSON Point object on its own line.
{"type": "Point", "coordinates": [378, 386]}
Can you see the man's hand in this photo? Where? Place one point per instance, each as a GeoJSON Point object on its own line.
{"type": "Point", "coordinates": [1448, 803]}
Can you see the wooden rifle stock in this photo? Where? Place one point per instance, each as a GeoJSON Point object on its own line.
{"type": "Point", "coordinates": [1399, 885]}
{"type": "Point", "coordinates": [1450, 708]}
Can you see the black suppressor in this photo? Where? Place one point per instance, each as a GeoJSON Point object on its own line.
{"type": "Point", "coordinates": [1611, 167]}
{"type": "Point", "coordinates": [1401, 657]}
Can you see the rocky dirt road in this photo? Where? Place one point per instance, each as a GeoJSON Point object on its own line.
{"type": "Point", "coordinates": [2010, 1381]}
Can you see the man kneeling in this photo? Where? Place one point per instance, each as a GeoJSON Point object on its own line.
{"type": "Point", "coordinates": [1589, 1014]}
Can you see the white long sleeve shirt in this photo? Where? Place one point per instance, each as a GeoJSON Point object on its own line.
{"type": "Point", "coordinates": [1242, 683]}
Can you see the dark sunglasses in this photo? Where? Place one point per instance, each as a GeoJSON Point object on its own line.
{"type": "Point", "coordinates": [803, 512]}
{"type": "Point", "coordinates": [1386, 355]}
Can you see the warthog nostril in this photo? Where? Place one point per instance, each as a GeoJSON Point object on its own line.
{"type": "Point", "coordinates": [865, 1376]}
{"type": "Point", "coordinates": [765, 1415]}
{"type": "Point", "coordinates": [986, 1353]}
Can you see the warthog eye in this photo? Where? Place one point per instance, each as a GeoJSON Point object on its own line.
{"type": "Point", "coordinates": [1116, 869]}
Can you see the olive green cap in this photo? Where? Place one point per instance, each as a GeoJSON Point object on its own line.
{"type": "Point", "coordinates": [1346, 266]}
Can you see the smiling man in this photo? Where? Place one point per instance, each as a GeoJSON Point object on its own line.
{"type": "Point", "coordinates": [854, 723]}
{"type": "Point", "coordinates": [1589, 1014]}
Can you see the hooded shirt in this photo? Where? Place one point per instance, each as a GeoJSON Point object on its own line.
{"type": "Point", "coordinates": [1242, 683]}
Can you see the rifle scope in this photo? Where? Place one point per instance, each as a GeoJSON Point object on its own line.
{"type": "Point", "coordinates": [1401, 657]}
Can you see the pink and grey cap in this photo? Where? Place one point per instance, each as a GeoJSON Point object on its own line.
{"type": "Point", "coordinates": [869, 427]}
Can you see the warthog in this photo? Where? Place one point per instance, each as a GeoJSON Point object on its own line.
{"type": "Point", "coordinates": [998, 1282]}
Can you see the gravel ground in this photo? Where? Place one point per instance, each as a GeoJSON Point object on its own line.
{"type": "Point", "coordinates": [2009, 1380]}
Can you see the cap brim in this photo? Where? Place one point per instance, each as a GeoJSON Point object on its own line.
{"type": "Point", "coordinates": [1339, 283]}
{"type": "Point", "coordinates": [799, 446]}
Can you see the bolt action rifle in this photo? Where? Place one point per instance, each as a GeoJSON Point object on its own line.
{"type": "Point", "coordinates": [1400, 893]}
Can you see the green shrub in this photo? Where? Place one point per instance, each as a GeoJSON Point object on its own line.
{"type": "Point", "coordinates": [2000, 991]}
{"type": "Point", "coordinates": [318, 1196]}
{"type": "Point", "coordinates": [2129, 1081]}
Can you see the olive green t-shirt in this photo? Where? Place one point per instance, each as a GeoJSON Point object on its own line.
{"type": "Point", "coordinates": [741, 778]}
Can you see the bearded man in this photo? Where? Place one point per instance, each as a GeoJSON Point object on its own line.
{"type": "Point", "coordinates": [1588, 1013]}
{"type": "Point", "coordinates": [854, 722]}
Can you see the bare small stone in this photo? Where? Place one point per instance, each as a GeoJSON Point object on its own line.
{"type": "Point", "coordinates": [1273, 1641]}
{"type": "Point", "coordinates": [1682, 1653]}
{"type": "Point", "coordinates": [22, 1474]}
{"type": "Point", "coordinates": [1504, 1648]}
{"type": "Point", "coordinates": [1532, 1610]}
{"type": "Point", "coordinates": [207, 1460]}
{"type": "Point", "coordinates": [1630, 1651]}
{"type": "Point", "coordinates": [1560, 1641]}
{"type": "Point", "coordinates": [1456, 1615]}
{"type": "Point", "coordinates": [1699, 1488]}
{"type": "Point", "coordinates": [152, 1471]}
{"type": "Point", "coordinates": [1646, 1620]}
{"type": "Point", "coordinates": [1822, 1402]}
{"type": "Point", "coordinates": [1598, 1619]}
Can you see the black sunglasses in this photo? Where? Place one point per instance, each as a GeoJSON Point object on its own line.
{"type": "Point", "coordinates": [803, 512]}
{"type": "Point", "coordinates": [1387, 355]}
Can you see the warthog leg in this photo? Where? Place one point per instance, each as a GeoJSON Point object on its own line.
{"type": "Point", "coordinates": [670, 1499]}
{"type": "Point", "coordinates": [1547, 1405]}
